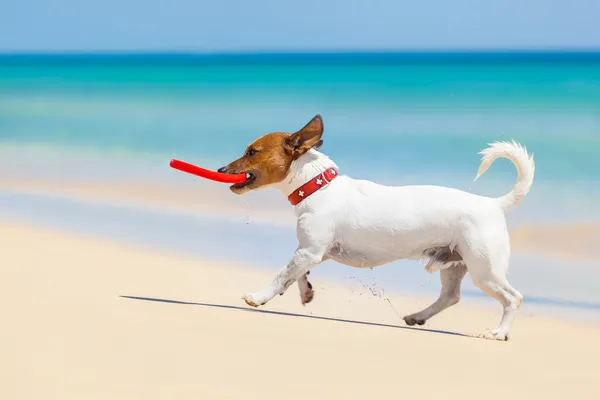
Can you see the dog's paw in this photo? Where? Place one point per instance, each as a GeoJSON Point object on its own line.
{"type": "Point", "coordinates": [411, 321]}
{"type": "Point", "coordinates": [494, 334]}
{"type": "Point", "coordinates": [306, 296]}
{"type": "Point", "coordinates": [252, 300]}
{"type": "Point", "coordinates": [306, 290]}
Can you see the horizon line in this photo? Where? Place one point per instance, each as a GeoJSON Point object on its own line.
{"type": "Point", "coordinates": [371, 57]}
{"type": "Point", "coordinates": [482, 50]}
{"type": "Point", "coordinates": [414, 57]}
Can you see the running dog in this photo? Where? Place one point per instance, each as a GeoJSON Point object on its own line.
{"type": "Point", "coordinates": [364, 224]}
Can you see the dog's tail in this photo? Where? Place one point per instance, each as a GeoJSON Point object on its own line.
{"type": "Point", "coordinates": [525, 169]}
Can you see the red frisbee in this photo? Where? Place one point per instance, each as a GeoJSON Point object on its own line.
{"type": "Point", "coordinates": [205, 173]}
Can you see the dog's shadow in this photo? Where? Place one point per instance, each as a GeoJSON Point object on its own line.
{"type": "Point", "coordinates": [287, 314]}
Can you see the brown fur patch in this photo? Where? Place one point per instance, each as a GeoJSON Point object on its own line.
{"type": "Point", "coordinates": [268, 158]}
{"type": "Point", "coordinates": [443, 255]}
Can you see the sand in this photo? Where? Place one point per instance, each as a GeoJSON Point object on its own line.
{"type": "Point", "coordinates": [558, 239]}
{"type": "Point", "coordinates": [184, 333]}
{"type": "Point", "coordinates": [200, 198]}
{"type": "Point", "coordinates": [568, 241]}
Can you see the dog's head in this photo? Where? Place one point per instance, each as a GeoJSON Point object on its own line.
{"type": "Point", "coordinates": [267, 160]}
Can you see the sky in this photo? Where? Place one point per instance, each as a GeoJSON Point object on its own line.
{"type": "Point", "coordinates": [290, 25]}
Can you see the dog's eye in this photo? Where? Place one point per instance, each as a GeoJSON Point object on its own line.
{"type": "Point", "coordinates": [251, 152]}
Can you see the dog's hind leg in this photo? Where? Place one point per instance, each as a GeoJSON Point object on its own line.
{"type": "Point", "coordinates": [495, 285]}
{"type": "Point", "coordinates": [487, 263]}
{"type": "Point", "coordinates": [450, 294]}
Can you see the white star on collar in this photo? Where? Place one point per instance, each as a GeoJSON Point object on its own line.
{"type": "Point", "coordinates": [301, 193]}
{"type": "Point", "coordinates": [319, 181]}
{"type": "Point", "coordinates": [333, 172]}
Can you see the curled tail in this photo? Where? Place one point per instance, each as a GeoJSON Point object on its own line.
{"type": "Point", "coordinates": [525, 169]}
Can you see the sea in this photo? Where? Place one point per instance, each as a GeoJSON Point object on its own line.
{"type": "Point", "coordinates": [76, 126]}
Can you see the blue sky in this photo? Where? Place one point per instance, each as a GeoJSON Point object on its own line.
{"type": "Point", "coordinates": [273, 25]}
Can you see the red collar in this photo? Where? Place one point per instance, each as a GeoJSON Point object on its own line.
{"type": "Point", "coordinates": [312, 186]}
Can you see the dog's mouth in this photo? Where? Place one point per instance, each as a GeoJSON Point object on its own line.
{"type": "Point", "coordinates": [250, 177]}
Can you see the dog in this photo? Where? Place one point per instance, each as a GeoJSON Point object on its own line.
{"type": "Point", "coordinates": [363, 224]}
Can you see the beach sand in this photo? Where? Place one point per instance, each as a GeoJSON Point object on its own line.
{"type": "Point", "coordinates": [559, 239]}
{"type": "Point", "coordinates": [568, 241]}
{"type": "Point", "coordinates": [71, 332]}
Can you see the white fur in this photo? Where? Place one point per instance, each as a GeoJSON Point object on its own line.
{"type": "Point", "coordinates": [363, 224]}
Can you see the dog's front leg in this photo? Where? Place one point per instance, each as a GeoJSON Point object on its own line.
{"type": "Point", "coordinates": [296, 269]}
{"type": "Point", "coordinates": [306, 290]}
{"type": "Point", "coordinates": [313, 246]}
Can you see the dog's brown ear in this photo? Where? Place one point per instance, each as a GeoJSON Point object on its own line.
{"type": "Point", "coordinates": [306, 138]}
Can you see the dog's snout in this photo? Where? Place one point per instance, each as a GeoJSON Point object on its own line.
{"type": "Point", "coordinates": [222, 170]}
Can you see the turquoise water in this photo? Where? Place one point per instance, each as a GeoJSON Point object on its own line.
{"type": "Point", "coordinates": [394, 117]}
